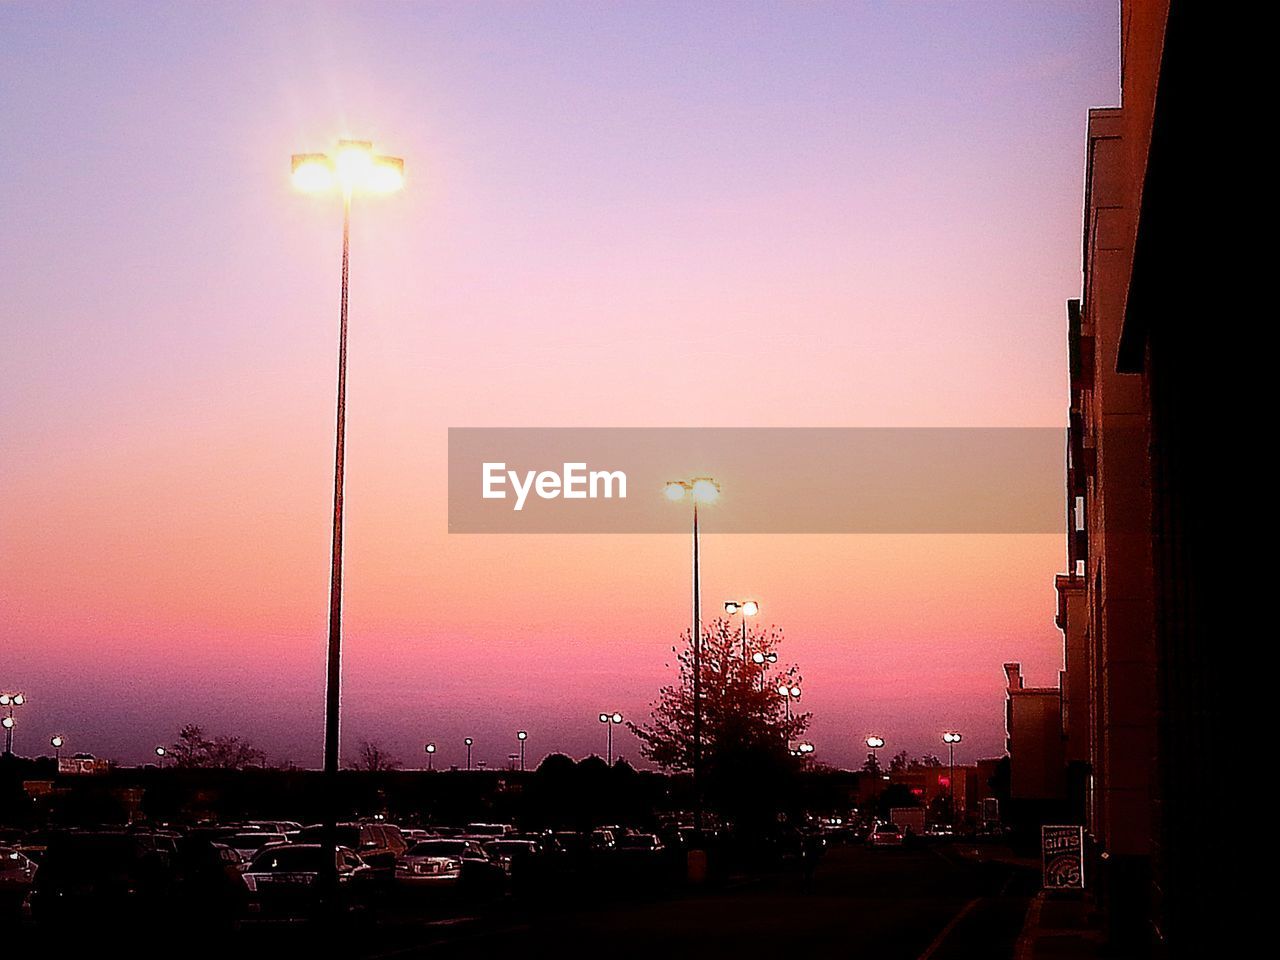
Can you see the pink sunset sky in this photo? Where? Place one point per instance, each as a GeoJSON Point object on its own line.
{"type": "Point", "coordinates": [739, 214]}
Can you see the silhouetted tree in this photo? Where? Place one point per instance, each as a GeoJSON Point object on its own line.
{"type": "Point", "coordinates": [741, 708]}
{"type": "Point", "coordinates": [872, 765]}
{"type": "Point", "coordinates": [374, 759]}
{"type": "Point", "coordinates": [899, 761]}
{"type": "Point", "coordinates": [927, 762]}
{"type": "Point", "coordinates": [193, 750]}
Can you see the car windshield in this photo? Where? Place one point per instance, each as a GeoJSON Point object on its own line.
{"type": "Point", "coordinates": [637, 841]}
{"type": "Point", "coordinates": [440, 848]}
{"type": "Point", "coordinates": [287, 859]}
{"type": "Point", "coordinates": [886, 828]}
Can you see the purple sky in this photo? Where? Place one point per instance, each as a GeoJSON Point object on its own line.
{"type": "Point", "coordinates": [801, 214]}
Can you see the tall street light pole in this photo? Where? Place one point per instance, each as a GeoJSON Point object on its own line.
{"type": "Point", "coordinates": [431, 756]}
{"type": "Point", "coordinates": [609, 720]}
{"type": "Point", "coordinates": [353, 169]}
{"type": "Point", "coordinates": [762, 660]}
{"type": "Point", "coordinates": [951, 739]}
{"type": "Point", "coordinates": [9, 701]}
{"type": "Point", "coordinates": [522, 736]}
{"type": "Point", "coordinates": [699, 490]}
{"type": "Point", "coordinates": [789, 692]}
{"type": "Point", "coordinates": [748, 608]}
{"type": "Point", "coordinates": [468, 741]}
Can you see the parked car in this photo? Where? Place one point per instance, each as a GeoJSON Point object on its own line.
{"type": "Point", "coordinates": [886, 835]}
{"type": "Point", "coordinates": [208, 888]}
{"type": "Point", "coordinates": [640, 843]}
{"type": "Point", "coordinates": [283, 882]}
{"type": "Point", "coordinates": [379, 845]}
{"type": "Point", "coordinates": [436, 863]}
{"type": "Point", "coordinates": [108, 876]}
{"type": "Point", "coordinates": [17, 871]}
{"type": "Point", "coordinates": [602, 840]}
{"type": "Point", "coordinates": [490, 830]}
{"type": "Point", "coordinates": [248, 844]}
{"type": "Point", "coordinates": [273, 826]}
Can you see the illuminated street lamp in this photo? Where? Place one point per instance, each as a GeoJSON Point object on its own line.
{"type": "Point", "coordinates": [522, 736]}
{"type": "Point", "coordinates": [468, 741]}
{"type": "Point", "coordinates": [789, 692]}
{"type": "Point", "coordinates": [56, 741]}
{"type": "Point", "coordinates": [748, 608]}
{"type": "Point", "coordinates": [161, 753]}
{"type": "Point", "coordinates": [9, 701]}
{"type": "Point", "coordinates": [762, 660]}
{"type": "Point", "coordinates": [610, 720]}
{"type": "Point", "coordinates": [951, 739]}
{"type": "Point", "coordinates": [698, 490]}
{"type": "Point", "coordinates": [431, 756]}
{"type": "Point", "coordinates": [353, 169]}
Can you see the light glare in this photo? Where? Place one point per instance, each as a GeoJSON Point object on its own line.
{"type": "Point", "coordinates": [705, 491]}
{"type": "Point", "coordinates": [312, 172]}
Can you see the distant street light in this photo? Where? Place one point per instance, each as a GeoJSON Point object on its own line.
{"type": "Point", "coordinates": [951, 739]}
{"type": "Point", "coordinates": [353, 169]}
{"type": "Point", "coordinates": [788, 693]}
{"type": "Point", "coordinates": [762, 660]}
{"type": "Point", "coordinates": [468, 741]}
{"type": "Point", "coordinates": [748, 608]}
{"type": "Point", "coordinates": [56, 742]}
{"type": "Point", "coordinates": [875, 743]}
{"type": "Point", "coordinates": [698, 490]}
{"type": "Point", "coordinates": [9, 701]}
{"type": "Point", "coordinates": [803, 749]}
{"type": "Point", "coordinates": [522, 736]}
{"type": "Point", "coordinates": [161, 753]}
{"type": "Point", "coordinates": [431, 756]}
{"type": "Point", "coordinates": [610, 720]}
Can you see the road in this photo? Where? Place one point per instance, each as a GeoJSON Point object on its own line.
{"type": "Point", "coordinates": [931, 903]}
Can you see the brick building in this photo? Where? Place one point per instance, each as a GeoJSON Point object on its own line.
{"type": "Point", "coordinates": [1140, 688]}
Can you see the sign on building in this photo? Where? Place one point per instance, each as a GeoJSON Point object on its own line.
{"type": "Point", "coordinates": [1062, 853]}
{"type": "Point", "coordinates": [82, 766]}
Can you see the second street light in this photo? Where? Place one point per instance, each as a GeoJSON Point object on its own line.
{"type": "Point", "coordinates": [431, 756]}
{"type": "Point", "coordinates": [951, 739]}
{"type": "Point", "coordinates": [56, 741]}
{"type": "Point", "coordinates": [789, 692]}
{"type": "Point", "coordinates": [762, 660]}
{"type": "Point", "coordinates": [748, 608]}
{"type": "Point", "coordinates": [469, 742]}
{"type": "Point", "coordinates": [522, 736]}
{"type": "Point", "coordinates": [610, 720]}
{"type": "Point", "coordinates": [9, 701]}
{"type": "Point", "coordinates": [699, 490]}
{"type": "Point", "coordinates": [353, 169]}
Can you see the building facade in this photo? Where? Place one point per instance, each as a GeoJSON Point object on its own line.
{"type": "Point", "coordinates": [1140, 698]}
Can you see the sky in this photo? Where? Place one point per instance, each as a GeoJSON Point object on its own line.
{"type": "Point", "coordinates": [615, 214]}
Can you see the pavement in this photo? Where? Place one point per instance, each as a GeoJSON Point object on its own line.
{"type": "Point", "coordinates": [1060, 926]}
{"type": "Point", "coordinates": [926, 903]}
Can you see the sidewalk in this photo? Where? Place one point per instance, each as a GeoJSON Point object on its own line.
{"type": "Point", "coordinates": [1057, 927]}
